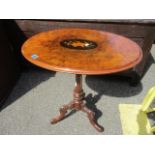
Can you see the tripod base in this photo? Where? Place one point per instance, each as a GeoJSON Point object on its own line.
{"type": "Point", "coordinates": [78, 104]}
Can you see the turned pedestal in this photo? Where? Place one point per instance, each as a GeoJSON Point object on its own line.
{"type": "Point", "coordinates": [78, 103]}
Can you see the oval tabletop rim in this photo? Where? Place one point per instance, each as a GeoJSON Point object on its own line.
{"type": "Point", "coordinates": [83, 71]}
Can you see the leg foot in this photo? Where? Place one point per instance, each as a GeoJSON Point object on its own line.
{"type": "Point", "coordinates": [91, 119]}
{"type": "Point", "coordinates": [63, 110]}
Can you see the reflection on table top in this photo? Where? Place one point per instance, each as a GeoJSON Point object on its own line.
{"type": "Point", "coordinates": [82, 51]}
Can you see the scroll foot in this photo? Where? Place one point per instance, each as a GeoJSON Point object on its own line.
{"type": "Point", "coordinates": [90, 115]}
{"type": "Point", "coordinates": [63, 110]}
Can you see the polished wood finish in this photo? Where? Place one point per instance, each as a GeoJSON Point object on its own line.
{"type": "Point", "coordinates": [81, 51]}
{"type": "Point", "coordinates": [113, 53]}
{"type": "Point", "coordinates": [140, 31]}
{"type": "Point", "coordinates": [78, 104]}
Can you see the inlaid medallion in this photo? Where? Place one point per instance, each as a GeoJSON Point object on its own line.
{"type": "Point", "coordinates": [80, 44]}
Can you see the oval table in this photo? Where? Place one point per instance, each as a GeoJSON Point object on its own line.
{"type": "Point", "coordinates": [81, 51]}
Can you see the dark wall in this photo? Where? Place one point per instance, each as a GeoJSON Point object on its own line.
{"type": "Point", "coordinates": [9, 66]}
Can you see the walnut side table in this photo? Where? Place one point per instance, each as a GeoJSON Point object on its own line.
{"type": "Point", "coordinates": [81, 51]}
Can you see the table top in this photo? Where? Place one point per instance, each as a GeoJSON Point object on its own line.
{"type": "Point", "coordinates": [82, 51]}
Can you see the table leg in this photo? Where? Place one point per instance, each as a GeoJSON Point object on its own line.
{"type": "Point", "coordinates": [78, 104]}
{"type": "Point", "coordinates": [91, 116]}
{"type": "Point", "coordinates": [63, 110]}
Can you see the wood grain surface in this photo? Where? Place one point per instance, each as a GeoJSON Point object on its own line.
{"type": "Point", "coordinates": [113, 53]}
